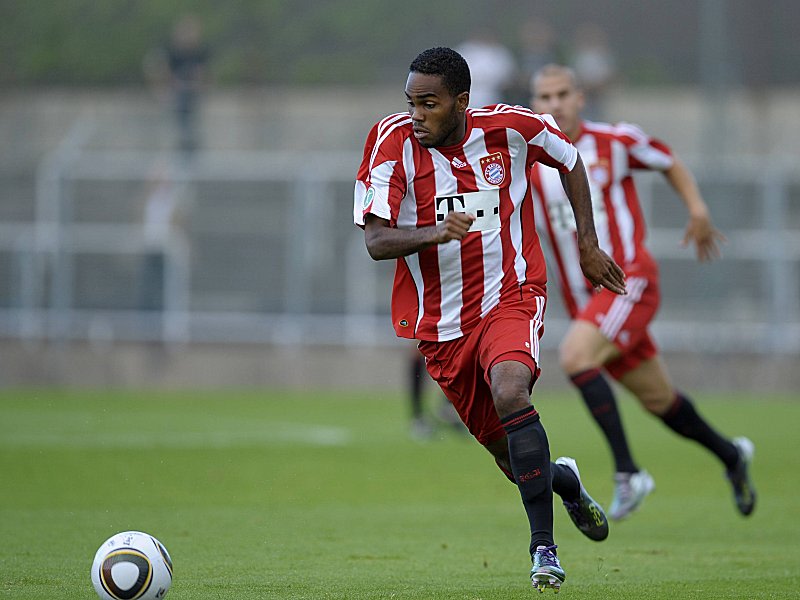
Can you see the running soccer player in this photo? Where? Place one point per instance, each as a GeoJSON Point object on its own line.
{"type": "Point", "coordinates": [444, 190]}
{"type": "Point", "coordinates": [610, 332]}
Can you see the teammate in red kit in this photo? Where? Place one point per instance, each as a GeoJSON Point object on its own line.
{"type": "Point", "coordinates": [610, 332]}
{"type": "Point", "coordinates": [445, 190]}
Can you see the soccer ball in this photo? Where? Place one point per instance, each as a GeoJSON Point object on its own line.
{"type": "Point", "coordinates": [132, 566]}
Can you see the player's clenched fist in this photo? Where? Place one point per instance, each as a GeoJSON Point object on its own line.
{"type": "Point", "coordinates": [454, 227]}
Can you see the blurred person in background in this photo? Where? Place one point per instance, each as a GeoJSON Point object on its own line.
{"type": "Point", "coordinates": [423, 426]}
{"type": "Point", "coordinates": [538, 47]}
{"type": "Point", "coordinates": [163, 213]}
{"type": "Point", "coordinates": [444, 190]}
{"type": "Point", "coordinates": [594, 66]}
{"type": "Point", "coordinates": [492, 66]}
{"type": "Point", "coordinates": [181, 67]}
{"type": "Point", "coordinates": [611, 333]}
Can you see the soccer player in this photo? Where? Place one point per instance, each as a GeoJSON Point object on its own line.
{"type": "Point", "coordinates": [423, 427]}
{"type": "Point", "coordinates": [609, 332]}
{"type": "Point", "coordinates": [444, 190]}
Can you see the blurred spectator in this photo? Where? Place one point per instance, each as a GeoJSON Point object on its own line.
{"type": "Point", "coordinates": [492, 67]}
{"type": "Point", "coordinates": [538, 48]}
{"type": "Point", "coordinates": [181, 67]}
{"type": "Point", "coordinates": [423, 426]}
{"type": "Point", "coordinates": [163, 212]}
{"type": "Point", "coordinates": [594, 66]}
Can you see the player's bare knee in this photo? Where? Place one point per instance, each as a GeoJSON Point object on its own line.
{"type": "Point", "coordinates": [509, 395]}
{"type": "Point", "coordinates": [510, 385]}
{"type": "Point", "coordinates": [573, 358]}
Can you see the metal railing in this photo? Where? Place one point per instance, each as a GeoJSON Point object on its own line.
{"type": "Point", "coordinates": [323, 288]}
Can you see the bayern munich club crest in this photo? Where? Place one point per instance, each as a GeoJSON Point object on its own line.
{"type": "Point", "coordinates": [493, 169]}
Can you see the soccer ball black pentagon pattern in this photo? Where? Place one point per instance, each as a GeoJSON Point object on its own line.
{"type": "Point", "coordinates": [132, 565]}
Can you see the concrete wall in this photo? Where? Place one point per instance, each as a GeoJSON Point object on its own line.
{"type": "Point", "coordinates": [145, 366]}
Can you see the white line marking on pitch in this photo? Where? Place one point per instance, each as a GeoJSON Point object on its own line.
{"type": "Point", "coordinates": [271, 434]}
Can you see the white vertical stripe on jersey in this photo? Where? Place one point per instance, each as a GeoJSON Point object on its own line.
{"type": "Point", "coordinates": [492, 269]}
{"type": "Point", "coordinates": [553, 192]}
{"type": "Point", "coordinates": [407, 218]}
{"type": "Point", "coordinates": [412, 261]}
{"type": "Point", "coordinates": [449, 255]}
{"type": "Point", "coordinates": [587, 146]}
{"type": "Point", "coordinates": [516, 190]}
{"type": "Point", "coordinates": [452, 301]}
{"type": "Point", "coordinates": [407, 215]}
{"type": "Point", "coordinates": [576, 280]}
{"type": "Point", "coordinates": [474, 150]}
{"type": "Point", "coordinates": [622, 212]}
{"type": "Point", "coordinates": [622, 306]}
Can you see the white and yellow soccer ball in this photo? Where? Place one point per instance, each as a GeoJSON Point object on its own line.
{"type": "Point", "coordinates": [132, 566]}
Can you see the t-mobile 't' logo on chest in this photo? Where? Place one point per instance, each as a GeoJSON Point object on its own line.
{"type": "Point", "coordinates": [483, 205]}
{"type": "Point", "coordinates": [448, 204]}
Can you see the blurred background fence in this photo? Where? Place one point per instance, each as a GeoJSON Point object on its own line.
{"type": "Point", "coordinates": [110, 236]}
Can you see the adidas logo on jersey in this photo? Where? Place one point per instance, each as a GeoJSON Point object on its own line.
{"type": "Point", "coordinates": [458, 163]}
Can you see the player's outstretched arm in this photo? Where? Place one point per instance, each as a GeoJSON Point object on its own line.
{"type": "Point", "coordinates": [700, 231]}
{"type": "Point", "coordinates": [384, 242]}
{"type": "Point", "coordinates": [599, 268]}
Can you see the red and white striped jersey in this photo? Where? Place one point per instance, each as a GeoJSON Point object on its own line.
{"type": "Point", "coordinates": [443, 291]}
{"type": "Point", "coordinates": [610, 154]}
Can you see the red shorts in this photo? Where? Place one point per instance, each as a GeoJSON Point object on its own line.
{"type": "Point", "coordinates": [461, 367]}
{"type": "Point", "coordinates": [624, 320]}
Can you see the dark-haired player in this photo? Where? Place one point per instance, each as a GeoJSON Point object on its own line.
{"type": "Point", "coordinates": [445, 190]}
{"type": "Point", "coordinates": [611, 332]}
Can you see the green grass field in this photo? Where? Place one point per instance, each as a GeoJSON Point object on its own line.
{"type": "Point", "coordinates": [310, 496]}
